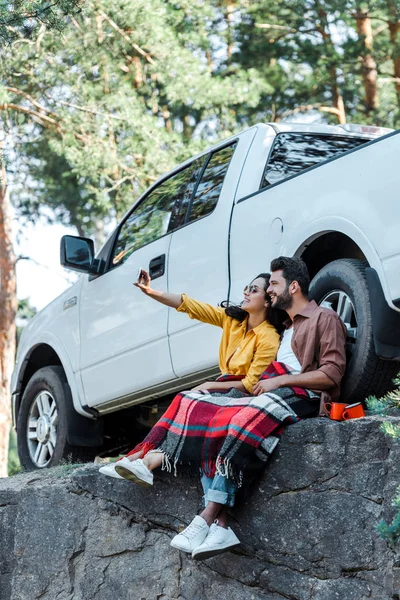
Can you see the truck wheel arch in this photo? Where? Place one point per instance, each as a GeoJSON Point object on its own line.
{"type": "Point", "coordinates": [326, 247]}
{"type": "Point", "coordinates": [333, 238]}
{"type": "Point", "coordinates": [81, 430]}
{"type": "Point", "coordinates": [47, 354]}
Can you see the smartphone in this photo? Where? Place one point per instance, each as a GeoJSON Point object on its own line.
{"type": "Point", "coordinates": [140, 275]}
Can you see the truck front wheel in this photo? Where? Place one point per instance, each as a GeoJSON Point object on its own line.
{"type": "Point", "coordinates": [342, 286]}
{"type": "Point", "coordinates": [42, 421]}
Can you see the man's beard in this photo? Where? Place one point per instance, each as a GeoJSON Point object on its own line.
{"type": "Point", "coordinates": [284, 301]}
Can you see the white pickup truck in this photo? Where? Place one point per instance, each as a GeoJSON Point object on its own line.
{"type": "Point", "coordinates": [329, 194]}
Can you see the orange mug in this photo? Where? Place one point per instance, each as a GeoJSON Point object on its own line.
{"type": "Point", "coordinates": [353, 411]}
{"type": "Point", "coordinates": [335, 410]}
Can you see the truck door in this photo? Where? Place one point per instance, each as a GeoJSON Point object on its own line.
{"type": "Point", "coordinates": [124, 343]}
{"type": "Point", "coordinates": [198, 256]}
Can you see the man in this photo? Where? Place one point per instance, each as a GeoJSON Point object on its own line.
{"type": "Point", "coordinates": [313, 343]}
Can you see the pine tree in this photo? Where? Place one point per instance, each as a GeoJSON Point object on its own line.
{"type": "Point", "coordinates": [381, 406]}
{"type": "Point", "coordinates": [23, 17]}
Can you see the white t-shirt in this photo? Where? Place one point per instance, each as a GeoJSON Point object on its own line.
{"type": "Point", "coordinates": [285, 352]}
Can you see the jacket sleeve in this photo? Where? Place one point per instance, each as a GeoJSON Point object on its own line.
{"type": "Point", "coordinates": [214, 315]}
{"type": "Point", "coordinates": [265, 353]}
{"type": "Point", "coordinates": [332, 347]}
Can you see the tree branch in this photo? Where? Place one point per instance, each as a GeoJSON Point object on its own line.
{"type": "Point", "coordinates": [306, 107]}
{"type": "Point", "coordinates": [270, 26]}
{"type": "Point", "coordinates": [19, 92]}
{"type": "Point", "coordinates": [118, 183]}
{"type": "Point", "coordinates": [33, 113]}
{"type": "Point", "coordinates": [84, 109]}
{"type": "Point", "coordinates": [122, 33]}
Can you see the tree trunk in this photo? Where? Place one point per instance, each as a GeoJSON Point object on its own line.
{"type": "Point", "coordinates": [394, 28]}
{"type": "Point", "coordinates": [8, 311]}
{"type": "Point", "coordinates": [230, 7]}
{"type": "Point", "coordinates": [99, 234]}
{"type": "Point", "coordinates": [337, 99]}
{"type": "Point", "coordinates": [368, 64]}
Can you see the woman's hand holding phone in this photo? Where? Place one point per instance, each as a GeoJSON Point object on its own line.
{"type": "Point", "coordinates": [143, 281]}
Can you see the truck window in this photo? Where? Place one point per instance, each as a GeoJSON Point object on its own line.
{"type": "Point", "coordinates": [292, 153]}
{"type": "Point", "coordinates": [151, 219]}
{"type": "Point", "coordinates": [208, 191]}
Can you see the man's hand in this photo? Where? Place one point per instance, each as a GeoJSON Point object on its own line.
{"type": "Point", "coordinates": [269, 385]}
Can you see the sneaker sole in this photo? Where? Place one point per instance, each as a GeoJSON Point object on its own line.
{"type": "Point", "coordinates": [126, 474]}
{"type": "Point", "coordinates": [209, 553]}
{"type": "Point", "coordinates": [180, 549]}
{"type": "Point", "coordinates": [114, 476]}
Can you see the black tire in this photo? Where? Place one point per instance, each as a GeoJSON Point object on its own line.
{"type": "Point", "coordinates": [50, 384]}
{"type": "Point", "coordinates": [366, 374]}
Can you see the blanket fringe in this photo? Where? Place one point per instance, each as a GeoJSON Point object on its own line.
{"type": "Point", "coordinates": [223, 467]}
{"type": "Point", "coordinates": [145, 447]}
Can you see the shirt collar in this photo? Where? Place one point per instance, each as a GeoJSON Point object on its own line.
{"type": "Point", "coordinates": [307, 312]}
{"type": "Point", "coordinates": [259, 327]}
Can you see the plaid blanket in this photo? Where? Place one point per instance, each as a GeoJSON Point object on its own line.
{"type": "Point", "coordinates": [222, 432]}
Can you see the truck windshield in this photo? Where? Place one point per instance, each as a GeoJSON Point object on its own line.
{"type": "Point", "coordinates": [293, 153]}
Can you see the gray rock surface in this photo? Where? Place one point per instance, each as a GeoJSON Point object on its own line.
{"type": "Point", "coordinates": [308, 529]}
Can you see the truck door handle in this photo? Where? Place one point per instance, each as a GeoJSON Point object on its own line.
{"type": "Point", "coordinates": [157, 266]}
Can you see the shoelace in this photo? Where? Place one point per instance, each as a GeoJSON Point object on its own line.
{"type": "Point", "coordinates": [213, 531]}
{"type": "Point", "coordinates": [192, 530]}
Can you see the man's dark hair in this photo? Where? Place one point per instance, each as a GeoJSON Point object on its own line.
{"type": "Point", "coordinates": [293, 269]}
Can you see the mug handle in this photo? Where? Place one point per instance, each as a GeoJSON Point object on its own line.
{"type": "Point", "coordinates": [345, 415]}
{"type": "Point", "coordinates": [328, 408]}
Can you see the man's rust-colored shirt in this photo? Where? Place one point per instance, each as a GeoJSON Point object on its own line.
{"type": "Point", "coordinates": [318, 341]}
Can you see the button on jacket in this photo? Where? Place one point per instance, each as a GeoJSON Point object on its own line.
{"type": "Point", "coordinates": [240, 353]}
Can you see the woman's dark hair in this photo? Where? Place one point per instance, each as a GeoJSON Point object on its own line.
{"type": "Point", "coordinates": [275, 316]}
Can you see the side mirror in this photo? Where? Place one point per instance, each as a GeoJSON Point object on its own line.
{"type": "Point", "coordinates": [77, 253]}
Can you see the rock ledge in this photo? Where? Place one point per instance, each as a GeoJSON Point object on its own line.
{"type": "Point", "coordinates": [308, 530]}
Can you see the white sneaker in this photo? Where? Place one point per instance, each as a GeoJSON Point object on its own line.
{"type": "Point", "coordinates": [136, 471]}
{"type": "Point", "coordinates": [191, 537]}
{"type": "Point", "coordinates": [109, 469]}
{"type": "Point", "coordinates": [218, 540]}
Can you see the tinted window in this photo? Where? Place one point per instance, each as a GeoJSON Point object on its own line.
{"type": "Point", "coordinates": [152, 218]}
{"type": "Point", "coordinates": [180, 209]}
{"type": "Point", "coordinates": [209, 188]}
{"type": "Point", "coordinates": [295, 152]}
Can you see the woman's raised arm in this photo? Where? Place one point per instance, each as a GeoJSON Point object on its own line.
{"type": "Point", "coordinates": [172, 300]}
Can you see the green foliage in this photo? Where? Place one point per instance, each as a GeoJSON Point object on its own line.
{"type": "Point", "coordinates": [65, 467]}
{"type": "Point", "coordinates": [130, 89]}
{"type": "Point", "coordinates": [381, 406]}
{"type": "Point", "coordinates": [20, 18]}
{"type": "Point", "coordinates": [390, 532]}
{"type": "Point", "coordinates": [14, 466]}
{"type": "Point", "coordinates": [25, 309]}
{"type": "Point", "coordinates": [391, 429]}
{"type": "Point", "coordinates": [25, 312]}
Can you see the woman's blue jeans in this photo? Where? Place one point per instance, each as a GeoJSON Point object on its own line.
{"type": "Point", "coordinates": [218, 489]}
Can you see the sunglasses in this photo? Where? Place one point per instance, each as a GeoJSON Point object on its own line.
{"type": "Point", "coordinates": [251, 289]}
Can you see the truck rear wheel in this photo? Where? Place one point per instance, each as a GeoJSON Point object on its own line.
{"type": "Point", "coordinates": [42, 421]}
{"type": "Point", "coordinates": [342, 286]}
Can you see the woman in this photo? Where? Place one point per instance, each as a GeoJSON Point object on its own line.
{"type": "Point", "coordinates": [249, 343]}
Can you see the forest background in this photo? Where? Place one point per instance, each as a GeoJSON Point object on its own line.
{"type": "Point", "coordinates": [99, 98]}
